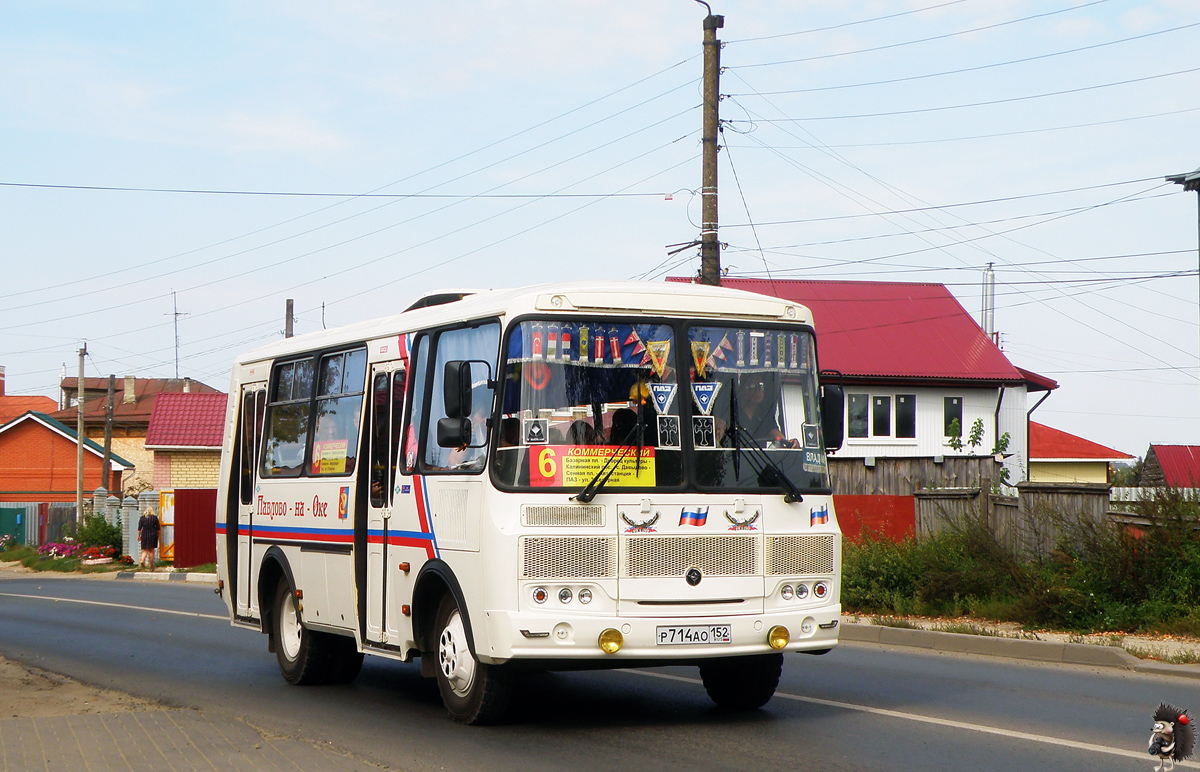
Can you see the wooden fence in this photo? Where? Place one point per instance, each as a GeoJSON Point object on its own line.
{"type": "Point", "coordinates": [1029, 523]}
{"type": "Point", "coordinates": [906, 476]}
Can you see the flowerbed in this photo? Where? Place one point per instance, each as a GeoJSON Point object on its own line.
{"type": "Point", "coordinates": [60, 550]}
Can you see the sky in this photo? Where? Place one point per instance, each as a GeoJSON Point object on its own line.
{"type": "Point", "coordinates": [171, 173]}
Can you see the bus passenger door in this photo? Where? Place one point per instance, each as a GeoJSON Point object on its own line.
{"type": "Point", "coordinates": [250, 423]}
{"type": "Point", "coordinates": [387, 404]}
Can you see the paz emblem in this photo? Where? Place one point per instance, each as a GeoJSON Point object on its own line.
{"type": "Point", "coordinates": [693, 576]}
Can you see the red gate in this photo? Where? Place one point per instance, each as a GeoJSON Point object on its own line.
{"type": "Point", "coordinates": [195, 526]}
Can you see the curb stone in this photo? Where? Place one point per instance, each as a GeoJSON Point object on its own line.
{"type": "Point", "coordinates": [169, 576]}
{"type": "Point", "coordinates": [1014, 648]}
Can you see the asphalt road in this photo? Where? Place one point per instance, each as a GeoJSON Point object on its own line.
{"type": "Point", "coordinates": [861, 707]}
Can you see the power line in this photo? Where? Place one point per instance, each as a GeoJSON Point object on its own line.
{"type": "Point", "coordinates": [921, 40]}
{"type": "Point", "coordinates": [988, 136]}
{"type": "Point", "coordinates": [987, 103]}
{"type": "Point", "coordinates": [843, 25]}
{"type": "Point", "coordinates": [976, 68]}
{"type": "Point", "coordinates": [327, 195]}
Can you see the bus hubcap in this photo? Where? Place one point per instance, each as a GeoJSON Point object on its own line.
{"type": "Point", "coordinates": [454, 657]}
{"type": "Point", "coordinates": [289, 629]}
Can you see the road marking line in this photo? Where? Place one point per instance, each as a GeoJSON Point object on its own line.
{"type": "Point", "coordinates": [114, 605]}
{"type": "Point", "coordinates": [1140, 755]}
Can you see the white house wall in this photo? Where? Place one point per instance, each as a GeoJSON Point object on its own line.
{"type": "Point", "coordinates": [930, 425]}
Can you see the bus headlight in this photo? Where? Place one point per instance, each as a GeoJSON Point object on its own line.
{"type": "Point", "coordinates": [778, 637]}
{"type": "Point", "coordinates": [786, 593]}
{"type": "Point", "coordinates": [539, 594]}
{"type": "Point", "coordinates": [611, 641]}
{"type": "Point", "coordinates": [801, 591]}
{"type": "Point", "coordinates": [564, 595]}
{"type": "Point", "coordinates": [820, 589]}
{"type": "Point", "coordinates": [584, 595]}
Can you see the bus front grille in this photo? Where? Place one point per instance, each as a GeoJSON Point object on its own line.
{"type": "Point", "coordinates": [800, 555]}
{"type": "Point", "coordinates": [568, 557]}
{"type": "Point", "coordinates": [559, 515]}
{"type": "Point", "coordinates": [646, 556]}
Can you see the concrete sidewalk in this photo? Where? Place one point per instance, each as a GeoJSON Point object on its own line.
{"type": "Point", "coordinates": [1054, 648]}
{"type": "Point", "coordinates": [145, 741]}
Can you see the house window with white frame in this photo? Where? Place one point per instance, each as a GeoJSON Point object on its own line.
{"type": "Point", "coordinates": [872, 415]}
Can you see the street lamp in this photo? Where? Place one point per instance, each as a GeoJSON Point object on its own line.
{"type": "Point", "coordinates": [1190, 181]}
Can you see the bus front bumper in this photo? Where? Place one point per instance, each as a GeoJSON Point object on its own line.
{"type": "Point", "coordinates": [544, 636]}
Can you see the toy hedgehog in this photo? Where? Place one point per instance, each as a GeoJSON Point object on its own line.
{"type": "Point", "coordinates": [1172, 738]}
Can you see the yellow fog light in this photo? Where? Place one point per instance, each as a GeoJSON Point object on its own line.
{"type": "Point", "coordinates": [778, 636]}
{"type": "Point", "coordinates": [611, 641]}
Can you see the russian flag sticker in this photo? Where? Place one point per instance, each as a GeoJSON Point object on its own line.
{"type": "Point", "coordinates": [697, 516]}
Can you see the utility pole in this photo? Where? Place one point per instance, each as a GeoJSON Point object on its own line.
{"type": "Point", "coordinates": [108, 410]}
{"type": "Point", "coordinates": [287, 322]}
{"type": "Point", "coordinates": [710, 247]}
{"type": "Point", "coordinates": [79, 438]}
{"type": "Point", "coordinates": [1190, 181]}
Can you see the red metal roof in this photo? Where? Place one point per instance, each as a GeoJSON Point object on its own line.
{"type": "Point", "coordinates": [893, 330]}
{"type": "Point", "coordinates": [1048, 443]}
{"type": "Point", "coordinates": [11, 407]}
{"type": "Point", "coordinates": [187, 420]}
{"type": "Point", "coordinates": [1180, 464]}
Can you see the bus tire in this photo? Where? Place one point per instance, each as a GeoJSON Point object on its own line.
{"type": "Point", "coordinates": [742, 683]}
{"type": "Point", "coordinates": [345, 660]}
{"type": "Point", "coordinates": [473, 693]}
{"type": "Point", "coordinates": [303, 655]}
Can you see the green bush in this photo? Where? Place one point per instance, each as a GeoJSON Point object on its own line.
{"type": "Point", "coordinates": [1102, 576]}
{"type": "Point", "coordinates": [95, 531]}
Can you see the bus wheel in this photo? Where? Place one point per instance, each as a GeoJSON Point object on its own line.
{"type": "Point", "coordinates": [302, 654]}
{"type": "Point", "coordinates": [742, 683]}
{"type": "Point", "coordinates": [474, 693]}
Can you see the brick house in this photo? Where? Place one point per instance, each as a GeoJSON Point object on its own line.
{"type": "Point", "coordinates": [185, 435]}
{"type": "Point", "coordinates": [133, 404]}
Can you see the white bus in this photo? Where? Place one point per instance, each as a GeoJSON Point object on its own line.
{"type": "Point", "coordinates": [572, 476]}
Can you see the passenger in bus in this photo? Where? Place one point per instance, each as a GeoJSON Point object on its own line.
{"type": "Point", "coordinates": [580, 432]}
{"type": "Point", "coordinates": [624, 428]}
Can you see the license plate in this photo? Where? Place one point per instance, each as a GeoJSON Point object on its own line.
{"type": "Point", "coordinates": [683, 635]}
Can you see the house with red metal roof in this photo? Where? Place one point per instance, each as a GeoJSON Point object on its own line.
{"type": "Point", "coordinates": [133, 404]}
{"type": "Point", "coordinates": [1058, 456]}
{"type": "Point", "coordinates": [918, 371]}
{"type": "Point", "coordinates": [1173, 466]}
{"type": "Point", "coordinates": [185, 435]}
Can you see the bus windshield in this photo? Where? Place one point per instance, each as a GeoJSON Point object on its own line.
{"type": "Point", "coordinates": [576, 392]}
{"type": "Point", "coordinates": [583, 393]}
{"type": "Point", "coordinates": [755, 408]}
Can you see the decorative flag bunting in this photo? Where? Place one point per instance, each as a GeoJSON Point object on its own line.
{"type": "Point", "coordinates": [705, 395]}
{"type": "Point", "coordinates": [659, 350]}
{"type": "Point", "coordinates": [664, 395]}
{"type": "Point", "coordinates": [700, 356]}
{"type": "Point", "coordinates": [697, 516]}
{"type": "Point", "coordinates": [583, 344]}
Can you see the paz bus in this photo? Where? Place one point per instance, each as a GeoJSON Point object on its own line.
{"type": "Point", "coordinates": [587, 475]}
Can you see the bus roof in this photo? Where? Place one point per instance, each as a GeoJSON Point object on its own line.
{"type": "Point", "coordinates": [635, 298]}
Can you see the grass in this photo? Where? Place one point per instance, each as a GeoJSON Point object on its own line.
{"type": "Point", "coordinates": [1178, 657]}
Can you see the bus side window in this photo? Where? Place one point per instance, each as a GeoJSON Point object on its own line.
{"type": "Point", "coordinates": [420, 366]}
{"type": "Point", "coordinates": [339, 409]}
{"type": "Point", "coordinates": [250, 424]}
{"type": "Point", "coordinates": [397, 411]}
{"type": "Point", "coordinates": [286, 434]}
{"type": "Point", "coordinates": [478, 345]}
{"type": "Point", "coordinates": [380, 421]}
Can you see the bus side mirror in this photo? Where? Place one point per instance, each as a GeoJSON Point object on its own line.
{"type": "Point", "coordinates": [456, 389]}
{"type": "Point", "coordinates": [833, 409]}
{"type": "Point", "coordinates": [453, 432]}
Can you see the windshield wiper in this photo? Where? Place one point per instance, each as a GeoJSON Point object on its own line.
{"type": "Point", "coordinates": [756, 453]}
{"type": "Point", "coordinates": [596, 483]}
